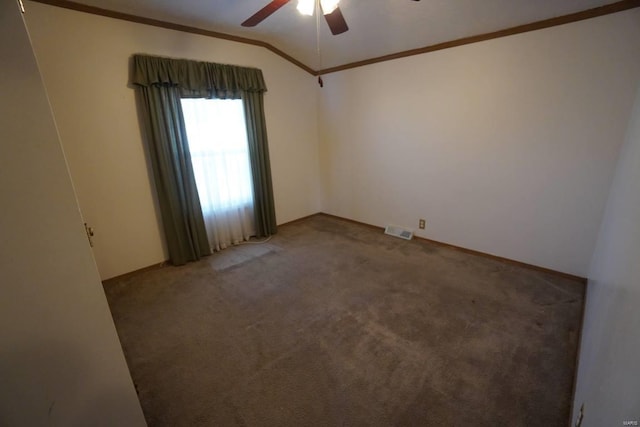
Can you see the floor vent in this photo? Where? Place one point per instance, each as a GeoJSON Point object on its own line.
{"type": "Point", "coordinates": [403, 233]}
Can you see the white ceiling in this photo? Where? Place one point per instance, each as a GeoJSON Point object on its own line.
{"type": "Point", "coordinates": [376, 27]}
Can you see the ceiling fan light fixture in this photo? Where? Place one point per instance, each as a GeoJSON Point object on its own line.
{"type": "Point", "coordinates": [306, 7]}
{"type": "Point", "coordinates": [329, 6]}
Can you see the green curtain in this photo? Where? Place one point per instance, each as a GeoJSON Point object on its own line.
{"type": "Point", "coordinates": [161, 82]}
{"type": "Point", "coordinates": [180, 209]}
{"type": "Point", "coordinates": [263, 205]}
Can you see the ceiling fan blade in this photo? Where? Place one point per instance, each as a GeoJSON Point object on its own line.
{"type": "Point", "coordinates": [264, 13]}
{"type": "Point", "coordinates": [336, 22]}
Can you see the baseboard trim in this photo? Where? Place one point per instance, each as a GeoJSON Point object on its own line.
{"type": "Point", "coordinates": [578, 351]}
{"type": "Point", "coordinates": [556, 273]}
{"type": "Point", "coordinates": [300, 219]}
{"type": "Point", "coordinates": [136, 272]}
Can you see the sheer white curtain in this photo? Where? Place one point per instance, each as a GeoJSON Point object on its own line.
{"type": "Point", "coordinates": [220, 155]}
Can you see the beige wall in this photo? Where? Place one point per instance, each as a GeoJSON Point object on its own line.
{"type": "Point", "coordinates": [506, 146]}
{"type": "Point", "coordinates": [608, 377]}
{"type": "Point", "coordinates": [61, 363]}
{"type": "Point", "coordinates": [84, 61]}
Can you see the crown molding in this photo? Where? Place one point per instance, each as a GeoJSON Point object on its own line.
{"type": "Point", "coordinates": [616, 7]}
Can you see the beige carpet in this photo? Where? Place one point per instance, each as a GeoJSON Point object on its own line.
{"type": "Point", "coordinates": [336, 324]}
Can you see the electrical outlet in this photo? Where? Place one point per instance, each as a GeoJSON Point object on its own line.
{"type": "Point", "coordinates": [421, 224]}
{"type": "Point", "coordinates": [580, 416]}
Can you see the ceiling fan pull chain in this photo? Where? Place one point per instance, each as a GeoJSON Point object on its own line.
{"type": "Point", "coordinates": [320, 82]}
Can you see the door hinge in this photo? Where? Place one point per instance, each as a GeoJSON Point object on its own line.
{"type": "Point", "coordinates": [89, 231]}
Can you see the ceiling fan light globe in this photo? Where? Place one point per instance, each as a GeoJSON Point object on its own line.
{"type": "Point", "coordinates": [329, 6]}
{"type": "Point", "coordinates": [306, 7]}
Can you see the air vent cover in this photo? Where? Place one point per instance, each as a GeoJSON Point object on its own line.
{"type": "Point", "coordinates": [403, 233]}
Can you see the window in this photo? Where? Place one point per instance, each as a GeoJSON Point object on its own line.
{"type": "Point", "coordinates": [216, 133]}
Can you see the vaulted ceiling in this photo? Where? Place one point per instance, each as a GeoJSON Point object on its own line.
{"type": "Point", "coordinates": [376, 27]}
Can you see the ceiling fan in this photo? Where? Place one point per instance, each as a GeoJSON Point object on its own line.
{"type": "Point", "coordinates": [330, 10]}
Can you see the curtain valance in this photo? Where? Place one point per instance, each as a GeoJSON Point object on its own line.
{"type": "Point", "coordinates": [197, 79]}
